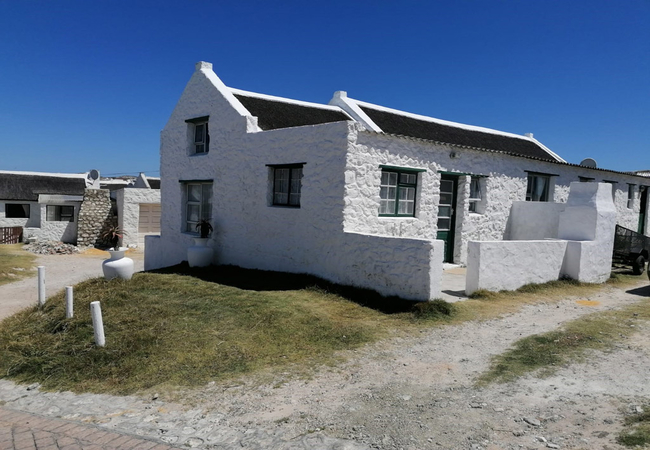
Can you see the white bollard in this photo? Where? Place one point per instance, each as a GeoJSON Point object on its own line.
{"type": "Point", "coordinates": [98, 323]}
{"type": "Point", "coordinates": [41, 285]}
{"type": "Point", "coordinates": [69, 302]}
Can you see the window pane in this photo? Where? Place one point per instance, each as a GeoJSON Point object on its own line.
{"type": "Point", "coordinates": [193, 192]}
{"type": "Point", "coordinates": [472, 206]}
{"type": "Point", "coordinates": [475, 189]}
{"type": "Point", "coordinates": [51, 213]}
{"type": "Point", "coordinates": [408, 178]}
{"type": "Point", "coordinates": [387, 207]}
{"type": "Point", "coordinates": [405, 207]}
{"type": "Point", "coordinates": [445, 199]}
{"type": "Point", "coordinates": [446, 186]}
{"type": "Point", "coordinates": [392, 178]}
{"type": "Point", "coordinates": [444, 224]}
{"type": "Point", "coordinates": [294, 199]}
{"type": "Point", "coordinates": [200, 148]}
{"type": "Point", "coordinates": [384, 178]}
{"type": "Point", "coordinates": [198, 134]}
{"type": "Point", "coordinates": [280, 198]}
{"type": "Point", "coordinates": [444, 211]}
{"type": "Point", "coordinates": [193, 213]}
{"type": "Point", "coordinates": [206, 201]}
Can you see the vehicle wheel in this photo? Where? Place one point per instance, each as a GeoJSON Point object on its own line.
{"type": "Point", "coordinates": [638, 266]}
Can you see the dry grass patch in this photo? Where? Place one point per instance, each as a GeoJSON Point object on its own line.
{"type": "Point", "coordinates": [543, 354]}
{"type": "Point", "coordinates": [167, 330]}
{"type": "Point", "coordinates": [15, 263]}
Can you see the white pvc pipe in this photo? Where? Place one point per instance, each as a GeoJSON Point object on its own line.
{"type": "Point", "coordinates": [41, 285]}
{"type": "Point", "coordinates": [98, 323]}
{"type": "Point", "coordinates": [69, 302]}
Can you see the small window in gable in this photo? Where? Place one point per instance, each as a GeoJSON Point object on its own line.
{"type": "Point", "coordinates": [613, 183]}
{"type": "Point", "coordinates": [200, 135]}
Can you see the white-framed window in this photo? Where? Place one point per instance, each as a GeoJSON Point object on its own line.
{"type": "Point", "coordinates": [538, 188]}
{"type": "Point", "coordinates": [630, 196]}
{"type": "Point", "coordinates": [287, 184]}
{"type": "Point", "coordinates": [397, 192]}
{"type": "Point", "coordinates": [198, 203]}
{"type": "Point", "coordinates": [475, 194]}
{"type": "Point", "coordinates": [59, 213]}
{"type": "Point", "coordinates": [17, 211]}
{"type": "Point", "coordinates": [200, 135]}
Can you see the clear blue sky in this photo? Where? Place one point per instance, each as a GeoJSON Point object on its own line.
{"type": "Point", "coordinates": [90, 84]}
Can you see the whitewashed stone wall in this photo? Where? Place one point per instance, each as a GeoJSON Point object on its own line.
{"type": "Point", "coordinates": [58, 230]}
{"type": "Point", "coordinates": [249, 231]}
{"type": "Point", "coordinates": [128, 207]}
{"type": "Point", "coordinates": [533, 220]}
{"type": "Point", "coordinates": [34, 219]}
{"type": "Point", "coordinates": [505, 184]}
{"type": "Point", "coordinates": [583, 250]}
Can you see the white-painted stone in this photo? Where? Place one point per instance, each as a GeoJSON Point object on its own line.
{"type": "Point", "coordinates": [583, 250]}
{"type": "Point", "coordinates": [340, 195]}
{"type": "Point", "coordinates": [508, 265]}
{"type": "Point", "coordinates": [128, 206]}
{"type": "Point", "coordinates": [533, 220]}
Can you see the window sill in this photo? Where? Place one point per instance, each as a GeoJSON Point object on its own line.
{"type": "Point", "coordinates": [285, 206]}
{"type": "Point", "coordinates": [197, 155]}
{"type": "Point", "coordinates": [381, 216]}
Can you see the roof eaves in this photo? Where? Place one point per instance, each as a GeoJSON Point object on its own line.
{"type": "Point", "coordinates": [563, 163]}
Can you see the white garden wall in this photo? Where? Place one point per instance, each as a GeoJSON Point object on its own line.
{"type": "Point", "coordinates": [533, 220]}
{"type": "Point", "coordinates": [585, 229]}
{"type": "Point", "coordinates": [128, 205]}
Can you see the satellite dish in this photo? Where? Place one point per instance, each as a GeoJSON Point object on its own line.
{"type": "Point", "coordinates": [94, 174]}
{"type": "Point", "coordinates": [589, 162]}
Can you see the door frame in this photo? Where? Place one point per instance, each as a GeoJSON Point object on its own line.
{"type": "Point", "coordinates": [450, 241]}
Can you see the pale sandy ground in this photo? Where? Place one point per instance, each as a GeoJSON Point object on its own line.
{"type": "Point", "coordinates": [60, 271]}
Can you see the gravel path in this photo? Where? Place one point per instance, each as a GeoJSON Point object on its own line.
{"type": "Point", "coordinates": [406, 393]}
{"type": "Point", "coordinates": [60, 271]}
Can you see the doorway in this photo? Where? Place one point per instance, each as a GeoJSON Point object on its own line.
{"type": "Point", "coordinates": [642, 209]}
{"type": "Point", "coordinates": [447, 214]}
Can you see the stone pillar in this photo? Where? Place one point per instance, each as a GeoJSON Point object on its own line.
{"type": "Point", "coordinates": [95, 216]}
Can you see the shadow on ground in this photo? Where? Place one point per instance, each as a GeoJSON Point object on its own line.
{"type": "Point", "coordinates": [266, 280]}
{"type": "Point", "coordinates": [643, 291]}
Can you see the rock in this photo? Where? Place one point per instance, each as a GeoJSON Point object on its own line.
{"type": "Point", "coordinates": [194, 442]}
{"type": "Point", "coordinates": [549, 445]}
{"type": "Point", "coordinates": [533, 422]}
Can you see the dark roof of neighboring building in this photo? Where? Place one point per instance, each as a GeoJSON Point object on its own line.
{"type": "Point", "coordinates": [394, 123]}
{"type": "Point", "coordinates": [273, 114]}
{"type": "Point", "coordinates": [28, 187]}
{"type": "Point", "coordinates": [154, 183]}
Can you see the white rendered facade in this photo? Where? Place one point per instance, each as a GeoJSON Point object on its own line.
{"type": "Point", "coordinates": [337, 232]}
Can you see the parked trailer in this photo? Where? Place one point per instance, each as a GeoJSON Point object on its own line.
{"type": "Point", "coordinates": [631, 248]}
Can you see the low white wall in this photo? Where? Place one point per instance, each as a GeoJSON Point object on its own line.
{"type": "Point", "coordinates": [533, 220]}
{"type": "Point", "coordinates": [586, 227]}
{"type": "Point", "coordinates": [508, 265]}
{"type": "Point", "coordinates": [408, 268]}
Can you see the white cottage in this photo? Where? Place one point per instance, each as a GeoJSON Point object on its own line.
{"type": "Point", "coordinates": [353, 192]}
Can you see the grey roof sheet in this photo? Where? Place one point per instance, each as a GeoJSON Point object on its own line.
{"type": "Point", "coordinates": [394, 123]}
{"type": "Point", "coordinates": [273, 114]}
{"type": "Point", "coordinates": [28, 187]}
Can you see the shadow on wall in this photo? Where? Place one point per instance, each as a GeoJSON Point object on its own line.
{"type": "Point", "coordinates": [266, 280]}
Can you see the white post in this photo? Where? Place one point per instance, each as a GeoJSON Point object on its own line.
{"type": "Point", "coordinates": [41, 285]}
{"type": "Point", "coordinates": [69, 302]}
{"type": "Point", "coordinates": [98, 323]}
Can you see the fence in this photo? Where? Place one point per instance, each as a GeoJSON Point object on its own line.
{"type": "Point", "coordinates": [10, 235]}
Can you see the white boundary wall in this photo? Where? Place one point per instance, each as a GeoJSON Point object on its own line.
{"type": "Point", "coordinates": [128, 207]}
{"type": "Point", "coordinates": [583, 252]}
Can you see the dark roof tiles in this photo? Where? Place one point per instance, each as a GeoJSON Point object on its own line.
{"type": "Point", "coordinates": [273, 114]}
{"type": "Point", "coordinates": [28, 187]}
{"type": "Point", "coordinates": [399, 124]}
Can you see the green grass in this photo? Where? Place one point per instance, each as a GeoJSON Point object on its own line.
{"type": "Point", "coordinates": [547, 352]}
{"type": "Point", "coordinates": [637, 432]}
{"type": "Point", "coordinates": [15, 263]}
{"type": "Point", "coordinates": [171, 330]}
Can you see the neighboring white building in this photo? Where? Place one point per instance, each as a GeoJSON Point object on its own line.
{"type": "Point", "coordinates": [353, 192]}
{"type": "Point", "coordinates": [46, 205]}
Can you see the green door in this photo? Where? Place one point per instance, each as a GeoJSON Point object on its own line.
{"type": "Point", "coordinates": [642, 210]}
{"type": "Point", "coordinates": [447, 214]}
